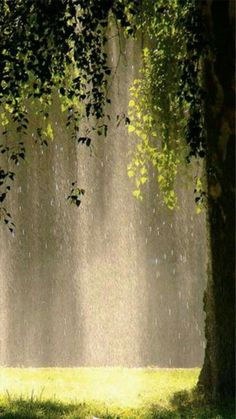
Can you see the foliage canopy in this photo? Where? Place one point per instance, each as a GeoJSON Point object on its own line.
{"type": "Point", "coordinates": [46, 48]}
{"type": "Point", "coordinates": [57, 48]}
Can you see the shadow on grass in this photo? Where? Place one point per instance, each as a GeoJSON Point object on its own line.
{"type": "Point", "coordinates": [183, 405]}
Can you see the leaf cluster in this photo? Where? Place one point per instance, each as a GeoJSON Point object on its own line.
{"type": "Point", "coordinates": [156, 115]}
{"type": "Point", "coordinates": [54, 48]}
{"type": "Point", "coordinates": [165, 109]}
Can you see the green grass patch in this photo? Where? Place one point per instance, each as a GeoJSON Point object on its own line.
{"type": "Point", "coordinates": [107, 393]}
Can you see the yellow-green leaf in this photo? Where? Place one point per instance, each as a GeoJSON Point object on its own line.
{"type": "Point", "coordinates": [131, 173]}
{"type": "Point", "coordinates": [131, 128]}
{"type": "Point", "coordinates": [131, 103]}
{"type": "Point", "coordinates": [143, 180]}
{"type": "Point", "coordinates": [49, 132]}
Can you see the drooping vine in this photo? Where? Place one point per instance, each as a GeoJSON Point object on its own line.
{"type": "Point", "coordinates": [52, 49]}
{"type": "Point", "coordinates": [165, 102]}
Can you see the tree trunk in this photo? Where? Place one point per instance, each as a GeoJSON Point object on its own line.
{"type": "Point", "coordinates": [217, 378]}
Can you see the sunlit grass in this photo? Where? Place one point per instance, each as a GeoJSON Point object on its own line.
{"type": "Point", "coordinates": [122, 386]}
{"type": "Point", "coordinates": [100, 392]}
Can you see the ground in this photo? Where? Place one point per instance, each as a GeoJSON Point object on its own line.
{"type": "Point", "coordinates": [108, 393]}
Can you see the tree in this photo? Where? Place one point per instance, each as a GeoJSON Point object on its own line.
{"type": "Point", "coordinates": [187, 80]}
{"type": "Point", "coordinates": [58, 47]}
{"type": "Point", "coordinates": [218, 373]}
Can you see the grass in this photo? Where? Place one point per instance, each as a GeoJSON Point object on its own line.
{"type": "Point", "coordinates": [108, 393]}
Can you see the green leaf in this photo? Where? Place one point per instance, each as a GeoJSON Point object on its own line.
{"type": "Point", "coordinates": [49, 132]}
{"type": "Point", "coordinates": [199, 209]}
{"type": "Point", "coordinates": [137, 194]}
{"type": "Point", "coordinates": [143, 180]}
{"type": "Point", "coordinates": [131, 173]}
{"type": "Point", "coordinates": [131, 128]}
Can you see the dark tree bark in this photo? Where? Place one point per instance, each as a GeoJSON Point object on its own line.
{"type": "Point", "coordinates": [217, 378]}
